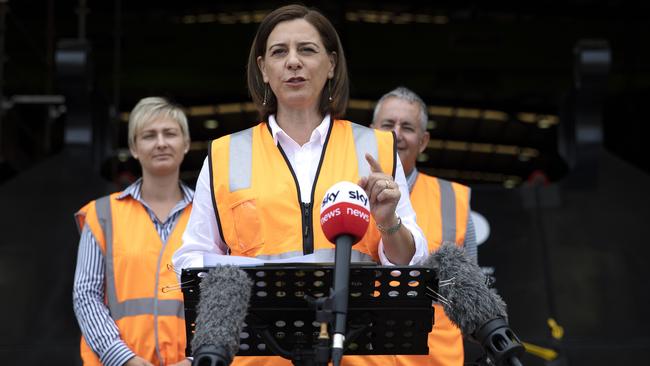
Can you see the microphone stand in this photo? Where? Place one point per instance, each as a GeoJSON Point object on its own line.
{"type": "Point", "coordinates": [340, 294]}
{"type": "Point", "coordinates": [319, 354]}
{"type": "Point", "coordinates": [556, 354]}
{"type": "Point", "coordinates": [329, 310]}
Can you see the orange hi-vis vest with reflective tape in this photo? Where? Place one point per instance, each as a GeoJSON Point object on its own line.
{"type": "Point", "coordinates": [256, 195]}
{"type": "Point", "coordinates": [257, 198]}
{"type": "Point", "coordinates": [442, 211]}
{"type": "Point", "coordinates": [151, 322]}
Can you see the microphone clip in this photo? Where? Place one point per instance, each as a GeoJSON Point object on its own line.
{"type": "Point", "coordinates": [502, 346]}
{"type": "Point", "coordinates": [212, 355]}
{"type": "Point", "coordinates": [323, 306]}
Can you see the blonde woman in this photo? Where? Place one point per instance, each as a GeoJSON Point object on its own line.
{"type": "Point", "coordinates": [127, 240]}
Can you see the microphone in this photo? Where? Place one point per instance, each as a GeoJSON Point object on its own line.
{"type": "Point", "coordinates": [344, 217]}
{"type": "Point", "coordinates": [221, 311]}
{"type": "Point", "coordinates": [472, 306]}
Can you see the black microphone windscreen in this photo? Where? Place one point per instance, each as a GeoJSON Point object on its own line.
{"type": "Point", "coordinates": [222, 308]}
{"type": "Point", "coordinates": [466, 298]}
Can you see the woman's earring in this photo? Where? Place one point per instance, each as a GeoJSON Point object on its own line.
{"type": "Point", "coordinates": [266, 89]}
{"type": "Point", "coordinates": [329, 87]}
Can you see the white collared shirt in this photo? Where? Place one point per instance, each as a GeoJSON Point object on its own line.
{"type": "Point", "coordinates": [202, 241]}
{"type": "Point", "coordinates": [304, 159]}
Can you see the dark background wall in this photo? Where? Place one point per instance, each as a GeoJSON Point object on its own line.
{"type": "Point", "coordinates": [502, 78]}
{"type": "Point", "coordinates": [596, 258]}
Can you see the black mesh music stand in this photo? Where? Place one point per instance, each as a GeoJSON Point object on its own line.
{"type": "Point", "coordinates": [389, 312]}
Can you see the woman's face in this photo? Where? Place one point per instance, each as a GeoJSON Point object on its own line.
{"type": "Point", "coordinates": [160, 147]}
{"type": "Point", "coordinates": [296, 64]}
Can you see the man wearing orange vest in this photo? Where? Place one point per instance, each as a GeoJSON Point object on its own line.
{"type": "Point", "coordinates": [442, 210]}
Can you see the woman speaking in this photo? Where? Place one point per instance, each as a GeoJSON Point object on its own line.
{"type": "Point", "coordinates": [258, 191]}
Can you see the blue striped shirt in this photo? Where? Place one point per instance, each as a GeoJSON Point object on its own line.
{"type": "Point", "coordinates": [97, 326]}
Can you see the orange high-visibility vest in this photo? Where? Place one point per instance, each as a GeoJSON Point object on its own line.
{"type": "Point", "coordinates": [136, 270]}
{"type": "Point", "coordinates": [258, 205]}
{"type": "Point", "coordinates": [257, 202]}
{"type": "Point", "coordinates": [442, 210]}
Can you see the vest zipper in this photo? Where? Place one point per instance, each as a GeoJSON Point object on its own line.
{"type": "Point", "coordinates": [306, 208]}
{"type": "Point", "coordinates": [305, 211]}
{"type": "Point", "coordinates": [307, 234]}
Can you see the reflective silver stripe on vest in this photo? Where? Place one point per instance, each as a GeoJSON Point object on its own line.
{"type": "Point", "coordinates": [240, 173]}
{"type": "Point", "coordinates": [146, 306]}
{"type": "Point", "coordinates": [364, 142]}
{"type": "Point", "coordinates": [103, 207]}
{"type": "Point", "coordinates": [448, 210]}
{"type": "Point", "coordinates": [320, 255]}
{"type": "Point", "coordinates": [129, 307]}
{"type": "Point", "coordinates": [241, 155]}
{"type": "Point", "coordinates": [241, 160]}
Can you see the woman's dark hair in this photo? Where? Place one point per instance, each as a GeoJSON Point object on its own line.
{"type": "Point", "coordinates": [339, 83]}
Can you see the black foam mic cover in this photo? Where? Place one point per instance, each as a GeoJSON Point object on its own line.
{"type": "Point", "coordinates": [471, 305]}
{"type": "Point", "coordinates": [222, 308]}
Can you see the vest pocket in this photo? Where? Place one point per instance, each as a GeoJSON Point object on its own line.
{"type": "Point", "coordinates": [248, 228]}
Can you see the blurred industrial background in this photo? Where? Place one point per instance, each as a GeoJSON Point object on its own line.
{"type": "Point", "coordinates": [537, 106]}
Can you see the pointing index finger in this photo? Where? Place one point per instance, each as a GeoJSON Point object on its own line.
{"type": "Point", "coordinates": [374, 165]}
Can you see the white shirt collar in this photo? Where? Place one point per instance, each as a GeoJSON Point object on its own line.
{"type": "Point", "coordinates": [410, 180]}
{"type": "Point", "coordinates": [319, 132]}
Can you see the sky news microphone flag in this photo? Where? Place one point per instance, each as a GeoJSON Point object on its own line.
{"type": "Point", "coordinates": [344, 217]}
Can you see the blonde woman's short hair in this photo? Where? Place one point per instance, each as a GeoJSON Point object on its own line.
{"type": "Point", "coordinates": [150, 108]}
